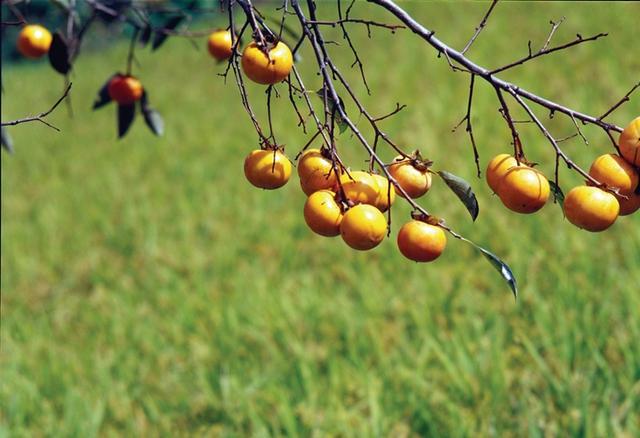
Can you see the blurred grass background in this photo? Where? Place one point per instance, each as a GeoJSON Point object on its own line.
{"type": "Point", "coordinates": [148, 289]}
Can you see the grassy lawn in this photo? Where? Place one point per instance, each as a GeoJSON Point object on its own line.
{"type": "Point", "coordinates": [148, 289]}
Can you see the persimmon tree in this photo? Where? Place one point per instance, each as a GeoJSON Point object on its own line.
{"type": "Point", "coordinates": [261, 42]}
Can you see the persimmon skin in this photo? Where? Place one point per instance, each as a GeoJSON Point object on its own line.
{"type": "Point", "coordinates": [498, 168]}
{"type": "Point", "coordinates": [267, 169]}
{"type": "Point", "coordinates": [414, 182]}
{"type": "Point", "coordinates": [524, 190]}
{"type": "Point", "coordinates": [267, 70]}
{"type": "Point", "coordinates": [316, 172]}
{"type": "Point", "coordinates": [591, 208]}
{"type": "Point", "coordinates": [34, 41]}
{"type": "Point", "coordinates": [125, 89]}
{"type": "Point", "coordinates": [220, 44]}
{"type": "Point", "coordinates": [629, 205]}
{"type": "Point", "coordinates": [363, 227]}
{"type": "Point", "coordinates": [360, 187]}
{"type": "Point", "coordinates": [421, 242]}
{"type": "Point", "coordinates": [386, 193]}
{"type": "Point", "coordinates": [615, 172]}
{"type": "Point", "coordinates": [322, 213]}
{"type": "Point", "coordinates": [629, 142]}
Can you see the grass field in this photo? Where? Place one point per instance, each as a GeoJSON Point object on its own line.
{"type": "Point", "coordinates": [148, 289]}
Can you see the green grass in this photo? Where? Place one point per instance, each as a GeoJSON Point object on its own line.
{"type": "Point", "coordinates": [148, 289]}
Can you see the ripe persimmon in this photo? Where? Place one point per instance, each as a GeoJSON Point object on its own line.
{"type": "Point", "coordinates": [591, 208]}
{"type": "Point", "coordinates": [523, 189]}
{"type": "Point", "coordinates": [322, 213]}
{"type": "Point", "coordinates": [629, 205]}
{"type": "Point", "coordinates": [316, 172]}
{"type": "Point", "coordinates": [34, 41]}
{"type": "Point", "coordinates": [414, 180]}
{"type": "Point", "coordinates": [629, 142]}
{"type": "Point", "coordinates": [360, 187]}
{"type": "Point", "coordinates": [267, 69]}
{"type": "Point", "coordinates": [386, 193]}
{"type": "Point", "coordinates": [267, 168]}
{"type": "Point", "coordinates": [363, 227]}
{"type": "Point", "coordinates": [125, 89]}
{"type": "Point", "coordinates": [498, 168]}
{"type": "Point", "coordinates": [420, 241]}
{"type": "Point", "coordinates": [220, 44]}
{"type": "Point", "coordinates": [615, 171]}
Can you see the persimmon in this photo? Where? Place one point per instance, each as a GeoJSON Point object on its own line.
{"type": "Point", "coordinates": [363, 227]}
{"type": "Point", "coordinates": [523, 190]}
{"type": "Point", "coordinates": [615, 172]}
{"type": "Point", "coordinates": [220, 44]}
{"type": "Point", "coordinates": [268, 68]}
{"type": "Point", "coordinates": [360, 187]}
{"type": "Point", "coordinates": [591, 208]}
{"type": "Point", "coordinates": [629, 205]}
{"type": "Point", "coordinates": [414, 180]}
{"type": "Point", "coordinates": [316, 172]}
{"type": "Point", "coordinates": [386, 193]}
{"type": "Point", "coordinates": [125, 89]}
{"type": "Point", "coordinates": [322, 213]}
{"type": "Point", "coordinates": [498, 168]}
{"type": "Point", "coordinates": [421, 242]}
{"type": "Point", "coordinates": [267, 169]}
{"type": "Point", "coordinates": [34, 41]}
{"type": "Point", "coordinates": [629, 142]}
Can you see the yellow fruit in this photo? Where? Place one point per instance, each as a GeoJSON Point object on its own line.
{"type": "Point", "coordinates": [316, 172]}
{"type": "Point", "coordinates": [591, 208]}
{"type": "Point", "coordinates": [265, 69]}
{"type": "Point", "coordinates": [360, 187]}
{"type": "Point", "coordinates": [363, 227]}
{"type": "Point", "coordinates": [323, 214]}
{"type": "Point", "coordinates": [524, 190]}
{"type": "Point", "coordinates": [34, 41]}
{"type": "Point", "coordinates": [629, 142]}
{"type": "Point", "coordinates": [498, 168]}
{"type": "Point", "coordinates": [267, 169]}
{"type": "Point", "coordinates": [421, 242]}
{"type": "Point", "coordinates": [220, 45]}
{"type": "Point", "coordinates": [386, 193]}
{"type": "Point", "coordinates": [416, 182]}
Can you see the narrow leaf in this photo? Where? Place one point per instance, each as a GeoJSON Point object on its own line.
{"type": "Point", "coordinates": [103, 97]}
{"type": "Point", "coordinates": [7, 141]}
{"type": "Point", "coordinates": [558, 196]}
{"type": "Point", "coordinates": [126, 114]}
{"type": "Point", "coordinates": [499, 265]}
{"type": "Point", "coordinates": [161, 36]}
{"type": "Point", "coordinates": [145, 35]}
{"type": "Point", "coordinates": [463, 191]}
{"type": "Point", "coordinates": [59, 54]}
{"type": "Point", "coordinates": [154, 121]}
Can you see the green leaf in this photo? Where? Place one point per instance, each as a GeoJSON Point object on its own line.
{"type": "Point", "coordinates": [59, 54]}
{"type": "Point", "coordinates": [558, 196]}
{"type": "Point", "coordinates": [7, 141]}
{"type": "Point", "coordinates": [463, 191]}
{"type": "Point", "coordinates": [501, 267]}
{"type": "Point", "coordinates": [126, 115]}
{"type": "Point", "coordinates": [154, 121]}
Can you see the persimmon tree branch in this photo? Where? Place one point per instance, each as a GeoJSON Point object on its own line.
{"type": "Point", "coordinates": [41, 117]}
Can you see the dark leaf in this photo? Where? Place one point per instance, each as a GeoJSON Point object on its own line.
{"type": "Point", "coordinates": [160, 37]}
{"type": "Point", "coordinates": [145, 35]}
{"type": "Point", "coordinates": [463, 191]}
{"type": "Point", "coordinates": [7, 141]}
{"type": "Point", "coordinates": [558, 196]}
{"type": "Point", "coordinates": [103, 97]}
{"type": "Point", "coordinates": [126, 114]}
{"type": "Point", "coordinates": [59, 54]}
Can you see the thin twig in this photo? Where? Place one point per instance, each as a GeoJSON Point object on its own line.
{"type": "Point", "coordinates": [40, 117]}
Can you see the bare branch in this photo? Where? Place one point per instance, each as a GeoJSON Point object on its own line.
{"type": "Point", "coordinates": [40, 117]}
{"type": "Point", "coordinates": [617, 105]}
{"type": "Point", "coordinates": [480, 27]}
